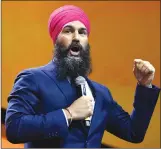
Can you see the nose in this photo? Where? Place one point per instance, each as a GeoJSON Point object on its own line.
{"type": "Point", "coordinates": [76, 36]}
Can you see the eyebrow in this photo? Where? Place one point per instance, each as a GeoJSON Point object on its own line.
{"type": "Point", "coordinates": [70, 26]}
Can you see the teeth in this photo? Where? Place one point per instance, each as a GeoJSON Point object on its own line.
{"type": "Point", "coordinates": [74, 53]}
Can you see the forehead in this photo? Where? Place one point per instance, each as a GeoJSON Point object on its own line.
{"type": "Point", "coordinates": [75, 24]}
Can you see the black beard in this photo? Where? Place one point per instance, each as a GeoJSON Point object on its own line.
{"type": "Point", "coordinates": [68, 66]}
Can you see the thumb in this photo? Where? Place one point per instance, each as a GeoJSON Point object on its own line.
{"type": "Point", "coordinates": [137, 61]}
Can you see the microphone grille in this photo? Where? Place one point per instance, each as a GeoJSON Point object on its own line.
{"type": "Point", "coordinates": [80, 80]}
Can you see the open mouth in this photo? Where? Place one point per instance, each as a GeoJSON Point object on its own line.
{"type": "Point", "coordinates": [74, 51]}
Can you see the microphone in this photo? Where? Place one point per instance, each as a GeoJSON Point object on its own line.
{"type": "Point", "coordinates": [80, 81]}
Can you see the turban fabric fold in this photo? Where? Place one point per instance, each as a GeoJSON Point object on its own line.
{"type": "Point", "coordinates": [64, 15]}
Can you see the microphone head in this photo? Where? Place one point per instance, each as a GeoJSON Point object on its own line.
{"type": "Point", "coordinates": [80, 80]}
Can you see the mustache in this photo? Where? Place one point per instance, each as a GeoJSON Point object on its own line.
{"type": "Point", "coordinates": [70, 66]}
{"type": "Point", "coordinates": [75, 45]}
{"type": "Point", "coordinates": [62, 52]}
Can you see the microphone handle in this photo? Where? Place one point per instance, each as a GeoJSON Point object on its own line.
{"type": "Point", "coordinates": [83, 89]}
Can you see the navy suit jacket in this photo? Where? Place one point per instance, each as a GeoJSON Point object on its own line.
{"type": "Point", "coordinates": [34, 115]}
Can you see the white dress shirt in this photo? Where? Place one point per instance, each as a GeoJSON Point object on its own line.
{"type": "Point", "coordinates": [88, 93]}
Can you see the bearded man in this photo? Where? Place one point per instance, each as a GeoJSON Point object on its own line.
{"type": "Point", "coordinates": [49, 106]}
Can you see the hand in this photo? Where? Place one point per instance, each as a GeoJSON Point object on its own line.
{"type": "Point", "coordinates": [144, 72]}
{"type": "Point", "coordinates": [81, 108]}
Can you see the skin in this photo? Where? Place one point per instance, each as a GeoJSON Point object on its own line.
{"type": "Point", "coordinates": [73, 31]}
{"type": "Point", "coordinates": [82, 107]}
{"type": "Point", "coordinates": [144, 72]}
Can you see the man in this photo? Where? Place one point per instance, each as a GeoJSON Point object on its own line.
{"type": "Point", "coordinates": [49, 106]}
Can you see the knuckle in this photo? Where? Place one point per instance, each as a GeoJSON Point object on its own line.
{"type": "Point", "coordinates": [90, 109]}
{"type": "Point", "coordinates": [146, 62]}
{"type": "Point", "coordinates": [84, 97]}
{"type": "Point", "coordinates": [84, 100]}
{"type": "Point", "coordinates": [89, 106]}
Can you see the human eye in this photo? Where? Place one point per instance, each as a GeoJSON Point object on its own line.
{"type": "Point", "coordinates": [67, 30]}
{"type": "Point", "coordinates": [83, 32]}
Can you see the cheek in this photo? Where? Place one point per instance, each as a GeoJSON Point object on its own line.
{"type": "Point", "coordinates": [84, 42]}
{"type": "Point", "coordinates": [65, 41]}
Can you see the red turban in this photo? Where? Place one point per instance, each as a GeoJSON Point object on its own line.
{"type": "Point", "coordinates": [64, 15]}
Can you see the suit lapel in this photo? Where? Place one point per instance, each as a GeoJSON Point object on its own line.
{"type": "Point", "coordinates": [65, 87]}
{"type": "Point", "coordinates": [69, 92]}
{"type": "Point", "coordinates": [96, 118]}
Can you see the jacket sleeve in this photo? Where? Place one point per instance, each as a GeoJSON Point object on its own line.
{"type": "Point", "coordinates": [133, 127]}
{"type": "Point", "coordinates": [22, 123]}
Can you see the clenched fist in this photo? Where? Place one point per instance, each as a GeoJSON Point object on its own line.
{"type": "Point", "coordinates": [81, 108]}
{"type": "Point", "coordinates": [144, 72]}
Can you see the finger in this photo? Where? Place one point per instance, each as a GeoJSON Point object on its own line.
{"type": "Point", "coordinates": [138, 74]}
{"type": "Point", "coordinates": [90, 105]}
{"type": "Point", "coordinates": [152, 70]}
{"type": "Point", "coordinates": [149, 66]}
{"type": "Point", "coordinates": [143, 68]}
{"type": "Point", "coordinates": [90, 99]}
{"type": "Point", "coordinates": [90, 111]}
{"type": "Point", "coordinates": [146, 62]}
{"type": "Point", "coordinates": [138, 60]}
{"type": "Point", "coordinates": [146, 68]}
{"type": "Point", "coordinates": [146, 71]}
{"type": "Point", "coordinates": [87, 98]}
{"type": "Point", "coordinates": [138, 63]}
{"type": "Point", "coordinates": [134, 70]}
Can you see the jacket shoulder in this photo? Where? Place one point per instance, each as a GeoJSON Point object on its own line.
{"type": "Point", "coordinates": [32, 70]}
{"type": "Point", "coordinates": [104, 91]}
{"type": "Point", "coordinates": [100, 86]}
